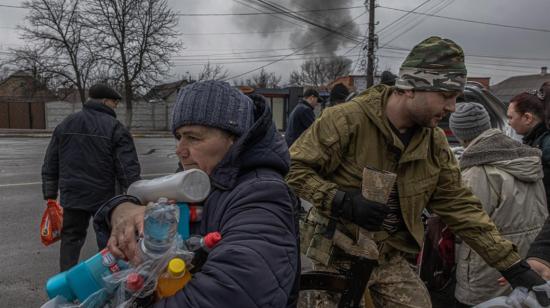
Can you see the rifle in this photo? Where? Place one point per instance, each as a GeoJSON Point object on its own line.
{"type": "Point", "coordinates": [351, 284]}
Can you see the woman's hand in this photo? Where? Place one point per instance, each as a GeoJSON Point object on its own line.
{"type": "Point", "coordinates": [541, 268]}
{"type": "Point", "coordinates": [127, 226]}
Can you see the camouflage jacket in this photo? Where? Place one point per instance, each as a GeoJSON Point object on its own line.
{"type": "Point", "coordinates": [332, 153]}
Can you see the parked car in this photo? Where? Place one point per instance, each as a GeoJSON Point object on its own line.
{"type": "Point", "coordinates": [475, 92]}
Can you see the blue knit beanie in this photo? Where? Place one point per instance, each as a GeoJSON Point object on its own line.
{"type": "Point", "coordinates": [213, 103]}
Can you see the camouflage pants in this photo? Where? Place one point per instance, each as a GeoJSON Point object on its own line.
{"type": "Point", "coordinates": [392, 284]}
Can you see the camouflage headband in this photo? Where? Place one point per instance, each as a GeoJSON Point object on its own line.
{"type": "Point", "coordinates": [435, 64]}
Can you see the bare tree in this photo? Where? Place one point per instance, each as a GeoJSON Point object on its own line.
{"type": "Point", "coordinates": [57, 46]}
{"type": "Point", "coordinates": [135, 40]}
{"type": "Point", "coordinates": [213, 72]}
{"type": "Point", "coordinates": [264, 79]}
{"type": "Point", "coordinates": [320, 71]}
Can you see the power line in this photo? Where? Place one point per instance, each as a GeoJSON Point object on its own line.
{"type": "Point", "coordinates": [435, 8]}
{"type": "Point", "coordinates": [12, 6]}
{"type": "Point", "coordinates": [290, 54]}
{"type": "Point", "coordinates": [403, 16]}
{"type": "Point", "coordinates": [286, 12]}
{"type": "Point", "coordinates": [468, 20]}
{"type": "Point", "coordinates": [269, 13]}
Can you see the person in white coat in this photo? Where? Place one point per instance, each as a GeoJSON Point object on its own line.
{"type": "Point", "coordinates": [506, 176]}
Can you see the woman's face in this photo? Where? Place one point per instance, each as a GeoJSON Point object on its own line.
{"type": "Point", "coordinates": [202, 147]}
{"type": "Point", "coordinates": [520, 122]}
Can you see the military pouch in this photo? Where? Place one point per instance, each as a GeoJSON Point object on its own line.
{"type": "Point", "coordinates": [313, 240]}
{"type": "Point", "coordinates": [377, 184]}
{"type": "Point", "coordinates": [307, 229]}
{"type": "Point", "coordinates": [320, 248]}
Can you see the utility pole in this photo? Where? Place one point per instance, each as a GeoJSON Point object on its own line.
{"type": "Point", "coordinates": [370, 46]}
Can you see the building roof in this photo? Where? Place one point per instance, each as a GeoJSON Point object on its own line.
{"type": "Point", "coordinates": [163, 91]}
{"type": "Point", "coordinates": [513, 86]}
{"type": "Point", "coordinates": [23, 87]}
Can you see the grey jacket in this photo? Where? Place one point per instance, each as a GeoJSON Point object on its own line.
{"type": "Point", "coordinates": [507, 177]}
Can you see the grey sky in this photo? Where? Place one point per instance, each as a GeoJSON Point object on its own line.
{"type": "Point", "coordinates": [491, 51]}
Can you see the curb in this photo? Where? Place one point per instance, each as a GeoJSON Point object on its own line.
{"type": "Point", "coordinates": [49, 135]}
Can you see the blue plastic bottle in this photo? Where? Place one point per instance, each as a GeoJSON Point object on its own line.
{"type": "Point", "coordinates": [183, 224]}
{"type": "Point", "coordinates": [85, 278]}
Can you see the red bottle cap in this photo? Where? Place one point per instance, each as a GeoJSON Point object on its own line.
{"type": "Point", "coordinates": [211, 239]}
{"type": "Point", "coordinates": [134, 282]}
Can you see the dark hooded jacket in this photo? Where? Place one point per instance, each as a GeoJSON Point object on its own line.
{"type": "Point", "coordinates": [299, 120]}
{"type": "Point", "coordinates": [257, 262]}
{"type": "Point", "coordinates": [539, 137]}
{"type": "Point", "coordinates": [89, 151]}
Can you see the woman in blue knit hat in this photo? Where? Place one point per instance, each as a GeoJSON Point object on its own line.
{"type": "Point", "coordinates": [233, 139]}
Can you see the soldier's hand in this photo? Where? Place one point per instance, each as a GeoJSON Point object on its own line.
{"type": "Point", "coordinates": [521, 275]}
{"type": "Point", "coordinates": [352, 206]}
{"type": "Point", "coordinates": [127, 226]}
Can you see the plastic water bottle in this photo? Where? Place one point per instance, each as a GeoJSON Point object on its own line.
{"type": "Point", "coordinates": [205, 243]}
{"type": "Point", "coordinates": [187, 186]}
{"type": "Point", "coordinates": [201, 246]}
{"type": "Point", "coordinates": [173, 279]}
{"type": "Point", "coordinates": [85, 278]}
{"type": "Point", "coordinates": [160, 228]}
{"type": "Point", "coordinates": [136, 291]}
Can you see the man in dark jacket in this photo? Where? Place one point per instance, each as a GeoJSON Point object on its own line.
{"type": "Point", "coordinates": [89, 151]}
{"type": "Point", "coordinates": [302, 116]}
{"type": "Point", "coordinates": [233, 139]}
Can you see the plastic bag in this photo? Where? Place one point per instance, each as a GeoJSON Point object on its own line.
{"type": "Point", "coordinates": [51, 224]}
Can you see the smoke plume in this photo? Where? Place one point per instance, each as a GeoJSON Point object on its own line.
{"type": "Point", "coordinates": [325, 17]}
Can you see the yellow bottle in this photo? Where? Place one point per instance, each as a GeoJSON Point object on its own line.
{"type": "Point", "coordinates": [173, 279]}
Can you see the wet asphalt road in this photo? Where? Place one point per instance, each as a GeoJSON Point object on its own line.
{"type": "Point", "coordinates": [25, 264]}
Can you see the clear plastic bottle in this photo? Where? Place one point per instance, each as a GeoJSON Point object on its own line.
{"type": "Point", "coordinates": [201, 246]}
{"type": "Point", "coordinates": [205, 243]}
{"type": "Point", "coordinates": [136, 293]}
{"type": "Point", "coordinates": [173, 279]}
{"type": "Point", "coordinates": [160, 228]}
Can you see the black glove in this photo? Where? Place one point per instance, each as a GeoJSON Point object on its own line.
{"type": "Point", "coordinates": [521, 275]}
{"type": "Point", "coordinates": [352, 206]}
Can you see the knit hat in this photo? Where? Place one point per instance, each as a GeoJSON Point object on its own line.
{"type": "Point", "coordinates": [435, 64]}
{"type": "Point", "coordinates": [213, 103]}
{"type": "Point", "coordinates": [338, 93]}
{"type": "Point", "coordinates": [469, 121]}
{"type": "Point", "coordinates": [100, 91]}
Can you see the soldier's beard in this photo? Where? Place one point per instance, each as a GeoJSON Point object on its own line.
{"type": "Point", "coordinates": [427, 119]}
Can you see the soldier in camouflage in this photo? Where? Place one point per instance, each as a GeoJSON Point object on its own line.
{"type": "Point", "coordinates": [393, 129]}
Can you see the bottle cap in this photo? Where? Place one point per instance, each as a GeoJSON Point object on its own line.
{"type": "Point", "coordinates": [134, 282]}
{"type": "Point", "coordinates": [176, 266]}
{"type": "Point", "coordinates": [211, 239]}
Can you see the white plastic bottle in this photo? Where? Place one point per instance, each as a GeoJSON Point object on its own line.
{"type": "Point", "coordinates": [187, 186]}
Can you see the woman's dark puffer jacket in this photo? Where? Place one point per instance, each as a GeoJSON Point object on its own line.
{"type": "Point", "coordinates": [257, 262]}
